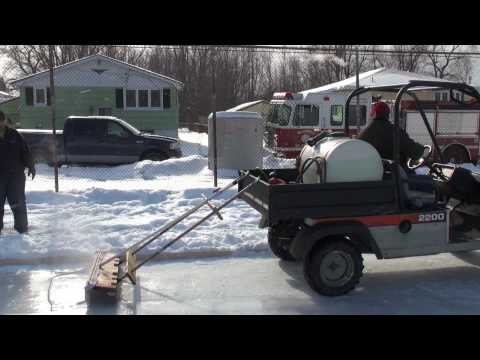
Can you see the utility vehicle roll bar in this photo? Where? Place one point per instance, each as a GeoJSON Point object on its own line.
{"type": "Point", "coordinates": [409, 88]}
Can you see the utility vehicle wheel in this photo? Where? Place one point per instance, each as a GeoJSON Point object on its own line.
{"type": "Point", "coordinates": [456, 155]}
{"type": "Point", "coordinates": [155, 157]}
{"type": "Point", "coordinates": [333, 268]}
{"type": "Point", "coordinates": [277, 247]}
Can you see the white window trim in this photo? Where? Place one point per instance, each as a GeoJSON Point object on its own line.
{"type": "Point", "coordinates": [139, 108]}
{"type": "Point", "coordinates": [148, 99]}
{"type": "Point", "coordinates": [125, 106]}
{"type": "Point", "coordinates": [35, 96]}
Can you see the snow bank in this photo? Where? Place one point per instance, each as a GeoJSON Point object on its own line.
{"type": "Point", "coordinates": [111, 208]}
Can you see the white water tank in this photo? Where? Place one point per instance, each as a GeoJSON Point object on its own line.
{"type": "Point", "coordinates": [341, 160]}
{"type": "Point", "coordinates": [239, 140]}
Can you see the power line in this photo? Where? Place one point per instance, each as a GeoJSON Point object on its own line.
{"type": "Point", "coordinates": [311, 50]}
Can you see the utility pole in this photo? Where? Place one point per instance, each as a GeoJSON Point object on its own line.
{"type": "Point", "coordinates": [52, 107]}
{"type": "Point", "coordinates": [214, 125]}
{"type": "Point", "coordinates": [357, 84]}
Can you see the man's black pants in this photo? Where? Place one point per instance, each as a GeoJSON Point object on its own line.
{"type": "Point", "coordinates": [12, 188]}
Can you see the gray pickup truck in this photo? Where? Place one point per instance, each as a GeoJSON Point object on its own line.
{"type": "Point", "coordinates": [99, 140]}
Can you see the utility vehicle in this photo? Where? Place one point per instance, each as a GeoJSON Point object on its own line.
{"type": "Point", "coordinates": [329, 210]}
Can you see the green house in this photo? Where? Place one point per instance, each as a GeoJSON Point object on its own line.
{"type": "Point", "coordinates": [97, 85]}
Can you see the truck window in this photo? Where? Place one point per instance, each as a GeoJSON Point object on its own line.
{"type": "Point", "coordinates": [84, 128]}
{"type": "Point", "coordinates": [280, 114]}
{"type": "Point", "coordinates": [353, 115]}
{"type": "Point", "coordinates": [305, 115]}
{"type": "Point", "coordinates": [116, 130]}
{"type": "Point", "coordinates": [336, 115]}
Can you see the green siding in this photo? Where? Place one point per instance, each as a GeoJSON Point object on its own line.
{"type": "Point", "coordinates": [10, 109]}
{"type": "Point", "coordinates": [86, 101]}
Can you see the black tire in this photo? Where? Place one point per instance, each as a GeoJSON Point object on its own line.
{"type": "Point", "coordinates": [155, 157]}
{"type": "Point", "coordinates": [277, 247]}
{"type": "Point", "coordinates": [328, 280]}
{"type": "Point", "coordinates": [456, 155]}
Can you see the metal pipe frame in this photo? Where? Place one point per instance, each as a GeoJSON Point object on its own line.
{"type": "Point", "coordinates": [150, 238]}
{"type": "Point", "coordinates": [409, 88]}
{"type": "Point", "coordinates": [192, 227]}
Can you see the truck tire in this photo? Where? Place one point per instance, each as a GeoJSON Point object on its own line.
{"type": "Point", "coordinates": [276, 246]}
{"type": "Point", "coordinates": [155, 156]}
{"type": "Point", "coordinates": [456, 155]}
{"type": "Point", "coordinates": [333, 268]}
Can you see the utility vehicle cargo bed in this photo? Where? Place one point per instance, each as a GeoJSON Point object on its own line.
{"type": "Point", "coordinates": [300, 201]}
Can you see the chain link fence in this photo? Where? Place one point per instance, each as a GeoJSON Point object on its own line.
{"type": "Point", "coordinates": [91, 150]}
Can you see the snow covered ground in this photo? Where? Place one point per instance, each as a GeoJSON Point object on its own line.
{"type": "Point", "coordinates": [111, 208]}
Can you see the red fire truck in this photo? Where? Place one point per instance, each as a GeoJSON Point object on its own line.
{"type": "Point", "coordinates": [294, 118]}
{"type": "Point", "coordinates": [457, 130]}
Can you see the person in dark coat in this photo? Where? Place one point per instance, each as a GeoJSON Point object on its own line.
{"type": "Point", "coordinates": [15, 156]}
{"type": "Point", "coordinates": [379, 133]}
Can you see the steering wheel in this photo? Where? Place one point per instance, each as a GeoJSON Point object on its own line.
{"type": "Point", "coordinates": [421, 161]}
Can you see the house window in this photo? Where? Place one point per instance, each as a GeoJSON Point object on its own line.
{"type": "Point", "coordinates": [437, 96]}
{"type": "Point", "coordinates": [336, 115]}
{"type": "Point", "coordinates": [148, 99]}
{"type": "Point", "coordinates": [155, 99]}
{"type": "Point", "coordinates": [142, 98]}
{"type": "Point", "coordinates": [444, 96]}
{"type": "Point", "coordinates": [131, 98]}
{"type": "Point", "coordinates": [40, 98]}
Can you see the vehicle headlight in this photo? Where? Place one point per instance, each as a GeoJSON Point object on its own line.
{"type": "Point", "coordinates": [174, 145]}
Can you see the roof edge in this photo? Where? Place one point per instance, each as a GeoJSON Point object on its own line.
{"type": "Point", "coordinates": [108, 58]}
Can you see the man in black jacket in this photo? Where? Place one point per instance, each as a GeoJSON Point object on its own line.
{"type": "Point", "coordinates": [15, 156]}
{"type": "Point", "coordinates": [379, 133]}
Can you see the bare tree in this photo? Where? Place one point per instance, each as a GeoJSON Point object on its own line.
{"type": "Point", "coordinates": [30, 59]}
{"type": "Point", "coordinates": [441, 63]}
{"type": "Point", "coordinates": [407, 58]}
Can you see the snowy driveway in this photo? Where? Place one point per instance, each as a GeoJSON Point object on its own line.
{"type": "Point", "coordinates": [261, 284]}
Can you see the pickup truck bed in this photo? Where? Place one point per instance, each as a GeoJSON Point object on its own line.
{"type": "Point", "coordinates": [300, 201]}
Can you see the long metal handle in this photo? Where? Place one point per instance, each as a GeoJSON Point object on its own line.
{"type": "Point", "coordinates": [147, 240]}
{"type": "Point", "coordinates": [170, 243]}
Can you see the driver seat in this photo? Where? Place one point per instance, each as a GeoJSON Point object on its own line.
{"type": "Point", "coordinates": [419, 190]}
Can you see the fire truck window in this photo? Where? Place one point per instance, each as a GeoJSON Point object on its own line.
{"type": "Point", "coordinates": [336, 115]}
{"type": "Point", "coordinates": [280, 114]}
{"type": "Point", "coordinates": [305, 115]}
{"type": "Point", "coordinates": [353, 121]}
